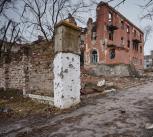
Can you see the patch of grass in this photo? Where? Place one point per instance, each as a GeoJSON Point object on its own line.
{"type": "Point", "coordinates": [10, 93]}
{"type": "Point", "coordinates": [21, 106]}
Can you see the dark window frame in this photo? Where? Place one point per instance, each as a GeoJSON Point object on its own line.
{"type": "Point", "coordinates": [111, 35]}
{"type": "Point", "coordinates": [135, 46]}
{"type": "Point", "coordinates": [93, 35]}
{"type": "Point", "coordinates": [112, 53]}
{"type": "Point", "coordinates": [122, 40]}
{"type": "Point", "coordinates": [140, 49]}
{"type": "Point", "coordinates": [122, 25]}
{"type": "Point", "coordinates": [94, 57]}
{"type": "Point", "coordinates": [128, 43]}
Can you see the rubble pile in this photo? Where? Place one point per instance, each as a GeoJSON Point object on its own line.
{"type": "Point", "coordinates": [92, 84]}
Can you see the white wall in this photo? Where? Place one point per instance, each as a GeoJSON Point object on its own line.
{"type": "Point", "coordinates": [66, 80]}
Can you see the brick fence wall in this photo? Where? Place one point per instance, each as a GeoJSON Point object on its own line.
{"type": "Point", "coordinates": [30, 68]}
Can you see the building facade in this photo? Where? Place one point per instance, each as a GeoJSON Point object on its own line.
{"type": "Point", "coordinates": [112, 39]}
{"type": "Point", "coordinates": [148, 61]}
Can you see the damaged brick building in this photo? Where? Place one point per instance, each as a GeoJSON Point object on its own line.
{"type": "Point", "coordinates": [112, 39]}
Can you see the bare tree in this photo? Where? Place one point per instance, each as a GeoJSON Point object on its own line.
{"type": "Point", "coordinates": [3, 5]}
{"type": "Point", "coordinates": [147, 33]}
{"type": "Point", "coordinates": [148, 10]}
{"type": "Point", "coordinates": [44, 14]}
{"type": "Point", "coordinates": [38, 16]}
{"type": "Point", "coordinates": [9, 29]}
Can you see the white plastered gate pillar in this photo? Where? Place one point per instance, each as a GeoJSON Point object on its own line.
{"type": "Point", "coordinates": [66, 65]}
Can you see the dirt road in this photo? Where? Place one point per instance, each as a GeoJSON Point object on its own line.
{"type": "Point", "coordinates": [124, 114]}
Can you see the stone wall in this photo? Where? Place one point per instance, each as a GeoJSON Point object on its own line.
{"type": "Point", "coordinates": [29, 69]}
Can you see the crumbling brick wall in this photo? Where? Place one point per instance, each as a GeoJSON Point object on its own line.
{"type": "Point", "coordinates": [30, 68]}
{"type": "Point", "coordinates": [15, 75]}
{"type": "Point", "coordinates": [40, 69]}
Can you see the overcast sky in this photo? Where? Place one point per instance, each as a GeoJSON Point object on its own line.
{"type": "Point", "coordinates": [131, 9]}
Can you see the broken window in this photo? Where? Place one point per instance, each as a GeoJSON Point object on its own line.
{"type": "Point", "coordinates": [93, 35]}
{"type": "Point", "coordinates": [128, 29]}
{"type": "Point", "coordinates": [110, 17]}
{"type": "Point", "coordinates": [135, 46]}
{"type": "Point", "coordinates": [81, 39]}
{"type": "Point", "coordinates": [122, 24]}
{"type": "Point", "coordinates": [94, 57]}
{"type": "Point", "coordinates": [140, 49]}
{"type": "Point", "coordinates": [110, 35]}
{"type": "Point", "coordinates": [112, 54]}
{"type": "Point", "coordinates": [122, 41]}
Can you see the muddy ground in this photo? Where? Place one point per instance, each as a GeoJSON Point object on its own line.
{"type": "Point", "coordinates": [124, 114]}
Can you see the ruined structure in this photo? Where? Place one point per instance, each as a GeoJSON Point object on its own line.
{"type": "Point", "coordinates": [28, 68]}
{"type": "Point", "coordinates": [111, 39]}
{"type": "Point", "coordinates": [46, 71]}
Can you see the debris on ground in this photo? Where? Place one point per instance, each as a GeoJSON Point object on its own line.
{"type": "Point", "coordinates": [110, 91]}
{"type": "Point", "coordinates": [149, 126]}
{"type": "Point", "coordinates": [109, 84]}
{"type": "Point", "coordinates": [101, 83]}
{"type": "Point", "coordinates": [91, 84]}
